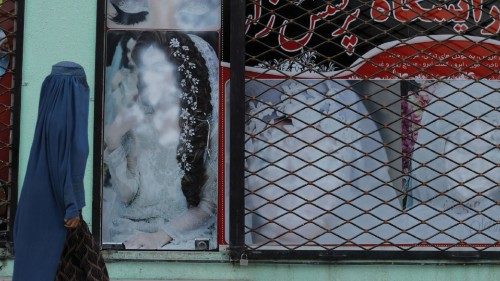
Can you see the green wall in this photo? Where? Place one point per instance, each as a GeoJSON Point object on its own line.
{"type": "Point", "coordinates": [58, 30]}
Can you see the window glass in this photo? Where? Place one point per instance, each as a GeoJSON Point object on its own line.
{"type": "Point", "coordinates": [159, 177]}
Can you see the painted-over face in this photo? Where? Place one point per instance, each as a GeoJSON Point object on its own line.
{"type": "Point", "coordinates": [160, 93]}
{"type": "Point", "coordinates": [157, 78]}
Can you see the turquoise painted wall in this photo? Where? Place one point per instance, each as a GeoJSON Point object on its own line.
{"type": "Point", "coordinates": [58, 30]}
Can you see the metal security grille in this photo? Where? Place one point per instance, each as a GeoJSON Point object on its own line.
{"type": "Point", "coordinates": [11, 19]}
{"type": "Point", "coordinates": [371, 128]}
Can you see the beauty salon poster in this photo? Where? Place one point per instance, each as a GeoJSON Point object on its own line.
{"type": "Point", "coordinates": [371, 115]}
{"type": "Point", "coordinates": [161, 114]}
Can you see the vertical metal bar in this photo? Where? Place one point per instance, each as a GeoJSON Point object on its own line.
{"type": "Point", "coordinates": [98, 120]}
{"type": "Point", "coordinates": [16, 115]}
{"type": "Point", "coordinates": [237, 133]}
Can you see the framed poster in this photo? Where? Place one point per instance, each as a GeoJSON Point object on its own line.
{"type": "Point", "coordinates": [159, 128]}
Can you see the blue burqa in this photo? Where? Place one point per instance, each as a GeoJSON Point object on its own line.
{"type": "Point", "coordinates": [53, 185]}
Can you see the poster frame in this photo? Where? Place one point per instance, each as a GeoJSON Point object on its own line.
{"type": "Point", "coordinates": [98, 165]}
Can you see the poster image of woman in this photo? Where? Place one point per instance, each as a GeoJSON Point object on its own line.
{"type": "Point", "coordinates": [160, 137]}
{"type": "Point", "coordinates": [165, 14]}
{"type": "Point", "coordinates": [297, 179]}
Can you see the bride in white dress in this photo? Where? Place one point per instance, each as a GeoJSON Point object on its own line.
{"type": "Point", "coordinates": [161, 150]}
{"type": "Point", "coordinates": [299, 188]}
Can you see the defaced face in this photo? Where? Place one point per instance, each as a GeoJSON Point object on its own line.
{"type": "Point", "coordinates": [157, 78]}
{"type": "Point", "coordinates": [159, 92]}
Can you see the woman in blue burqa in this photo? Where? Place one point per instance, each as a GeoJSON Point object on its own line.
{"type": "Point", "coordinates": [48, 221]}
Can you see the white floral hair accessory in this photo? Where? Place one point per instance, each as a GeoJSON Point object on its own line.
{"type": "Point", "coordinates": [186, 68]}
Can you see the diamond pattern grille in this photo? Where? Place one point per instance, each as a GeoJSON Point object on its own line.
{"type": "Point", "coordinates": [372, 125]}
{"type": "Point", "coordinates": [9, 52]}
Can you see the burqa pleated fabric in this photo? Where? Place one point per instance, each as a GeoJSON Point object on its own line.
{"type": "Point", "coordinates": [53, 185]}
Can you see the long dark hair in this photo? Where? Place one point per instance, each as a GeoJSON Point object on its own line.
{"type": "Point", "coordinates": [194, 175]}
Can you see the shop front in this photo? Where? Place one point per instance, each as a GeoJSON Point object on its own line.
{"type": "Point", "coordinates": [273, 139]}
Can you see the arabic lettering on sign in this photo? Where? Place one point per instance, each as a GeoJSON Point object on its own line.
{"type": "Point", "coordinates": [474, 61]}
{"type": "Point", "coordinates": [411, 10]}
{"type": "Point", "coordinates": [293, 45]}
{"type": "Point", "coordinates": [403, 11]}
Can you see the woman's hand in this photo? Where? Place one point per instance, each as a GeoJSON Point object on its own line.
{"type": "Point", "coordinates": [72, 223]}
{"type": "Point", "coordinates": [145, 240]}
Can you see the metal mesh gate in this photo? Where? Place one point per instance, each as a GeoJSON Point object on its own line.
{"type": "Point", "coordinates": [371, 127]}
{"type": "Point", "coordinates": [10, 81]}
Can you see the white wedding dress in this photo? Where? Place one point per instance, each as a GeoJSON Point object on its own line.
{"type": "Point", "coordinates": [325, 202]}
{"type": "Point", "coordinates": [159, 203]}
{"type": "Point", "coordinates": [451, 183]}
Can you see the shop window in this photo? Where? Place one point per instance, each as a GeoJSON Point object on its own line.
{"type": "Point", "coordinates": [354, 129]}
{"type": "Point", "coordinates": [371, 129]}
{"type": "Point", "coordinates": [11, 27]}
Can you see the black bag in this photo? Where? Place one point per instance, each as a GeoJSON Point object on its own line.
{"type": "Point", "coordinates": [81, 259]}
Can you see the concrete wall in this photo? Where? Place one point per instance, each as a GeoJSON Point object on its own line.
{"type": "Point", "coordinates": [58, 30]}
